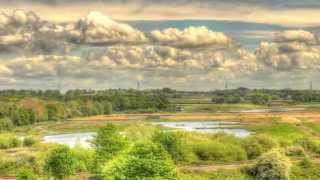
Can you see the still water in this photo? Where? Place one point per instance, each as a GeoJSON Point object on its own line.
{"type": "Point", "coordinates": [208, 127]}
{"type": "Point", "coordinates": [72, 139]}
{"type": "Point", "coordinates": [83, 139]}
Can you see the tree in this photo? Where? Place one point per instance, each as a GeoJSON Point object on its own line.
{"type": "Point", "coordinates": [60, 163]}
{"type": "Point", "coordinates": [23, 116]}
{"type": "Point", "coordinates": [108, 143]}
{"type": "Point", "coordinates": [272, 165]}
{"type": "Point", "coordinates": [5, 124]}
{"type": "Point", "coordinates": [55, 111]}
{"type": "Point", "coordinates": [260, 98]}
{"type": "Point", "coordinates": [174, 145]}
{"type": "Point", "coordinates": [145, 160]}
{"type": "Point", "coordinates": [107, 108]}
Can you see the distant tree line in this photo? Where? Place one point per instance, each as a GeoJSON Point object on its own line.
{"type": "Point", "coordinates": [264, 96]}
{"type": "Point", "coordinates": [24, 107]}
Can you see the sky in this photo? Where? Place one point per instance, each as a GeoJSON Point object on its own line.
{"type": "Point", "coordinates": [181, 44]}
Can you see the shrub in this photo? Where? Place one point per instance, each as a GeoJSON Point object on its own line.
{"type": "Point", "coordinates": [305, 169]}
{"type": "Point", "coordinates": [174, 145]}
{"type": "Point", "coordinates": [257, 145]}
{"type": "Point", "coordinates": [26, 174]}
{"type": "Point", "coordinates": [295, 151]}
{"type": "Point", "coordinates": [272, 165]}
{"type": "Point", "coordinates": [145, 160]}
{"type": "Point", "coordinates": [5, 124]}
{"type": "Point", "coordinates": [11, 165]}
{"type": "Point", "coordinates": [60, 163]}
{"type": "Point", "coordinates": [217, 151]}
{"type": "Point", "coordinates": [9, 141]}
{"type": "Point", "coordinates": [309, 145]}
{"type": "Point", "coordinates": [84, 158]}
{"type": "Point", "coordinates": [29, 141]}
{"type": "Point", "coordinates": [306, 162]}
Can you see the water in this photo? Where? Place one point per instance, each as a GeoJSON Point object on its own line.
{"type": "Point", "coordinates": [208, 127]}
{"type": "Point", "coordinates": [274, 110]}
{"type": "Point", "coordinates": [72, 139]}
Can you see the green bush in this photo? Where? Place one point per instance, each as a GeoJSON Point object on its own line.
{"type": "Point", "coordinates": [309, 145]}
{"type": "Point", "coordinates": [84, 158]}
{"type": "Point", "coordinates": [5, 124]}
{"type": "Point", "coordinates": [145, 160]}
{"type": "Point", "coordinates": [257, 145]}
{"type": "Point", "coordinates": [174, 144]}
{"type": "Point", "coordinates": [218, 151]}
{"type": "Point", "coordinates": [26, 174]}
{"type": "Point", "coordinates": [305, 169]}
{"type": "Point", "coordinates": [9, 141]}
{"type": "Point", "coordinates": [295, 151]}
{"type": "Point", "coordinates": [12, 165]}
{"type": "Point", "coordinates": [29, 141]}
{"type": "Point", "coordinates": [60, 163]}
{"type": "Point", "coordinates": [271, 165]}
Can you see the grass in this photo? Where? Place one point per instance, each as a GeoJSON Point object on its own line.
{"type": "Point", "coordinates": [305, 170]}
{"type": "Point", "coordinates": [284, 133]}
{"type": "Point", "coordinates": [217, 107]}
{"type": "Point", "coordinates": [314, 126]}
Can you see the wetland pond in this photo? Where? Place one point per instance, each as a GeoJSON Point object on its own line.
{"type": "Point", "coordinates": [83, 139]}
{"type": "Point", "coordinates": [72, 139]}
{"type": "Point", "coordinates": [234, 128]}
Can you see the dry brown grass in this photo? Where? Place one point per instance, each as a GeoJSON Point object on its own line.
{"type": "Point", "coordinates": [288, 117]}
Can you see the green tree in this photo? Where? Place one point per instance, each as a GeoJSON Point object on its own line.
{"type": "Point", "coordinates": [5, 124]}
{"type": "Point", "coordinates": [23, 116]}
{"type": "Point", "coordinates": [145, 160]}
{"type": "Point", "coordinates": [108, 143]}
{"type": "Point", "coordinates": [174, 145]}
{"type": "Point", "coordinates": [107, 108]}
{"type": "Point", "coordinates": [60, 163]}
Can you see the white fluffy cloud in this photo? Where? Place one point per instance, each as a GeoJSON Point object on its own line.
{"type": "Point", "coordinates": [15, 39]}
{"type": "Point", "coordinates": [97, 28]}
{"type": "Point", "coordinates": [296, 36]}
{"type": "Point", "coordinates": [190, 37]}
{"type": "Point", "coordinates": [291, 50]}
{"type": "Point", "coordinates": [195, 55]}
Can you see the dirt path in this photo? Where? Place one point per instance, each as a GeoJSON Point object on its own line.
{"type": "Point", "coordinates": [229, 166]}
{"type": "Point", "coordinates": [216, 167]}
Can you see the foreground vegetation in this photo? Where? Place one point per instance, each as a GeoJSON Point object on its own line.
{"type": "Point", "coordinates": [135, 150]}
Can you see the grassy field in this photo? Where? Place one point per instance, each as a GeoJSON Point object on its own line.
{"type": "Point", "coordinates": [287, 131]}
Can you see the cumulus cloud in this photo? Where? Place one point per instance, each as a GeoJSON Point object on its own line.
{"type": "Point", "coordinates": [296, 36]}
{"type": "Point", "coordinates": [98, 49]}
{"type": "Point", "coordinates": [291, 50]}
{"type": "Point", "coordinates": [190, 37]}
{"type": "Point", "coordinates": [163, 57]}
{"type": "Point", "coordinates": [97, 28]}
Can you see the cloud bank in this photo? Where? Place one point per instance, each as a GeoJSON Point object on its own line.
{"type": "Point", "coordinates": [99, 52]}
